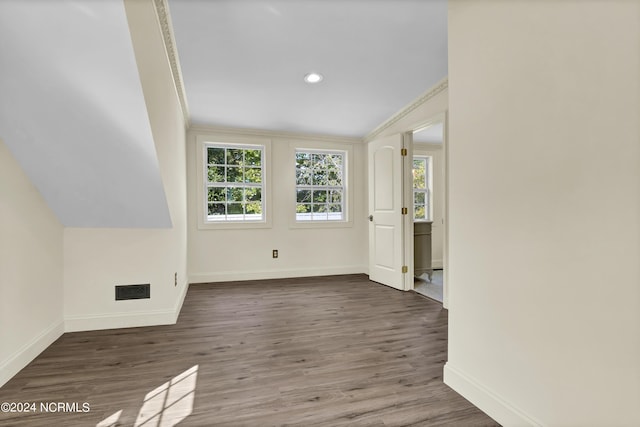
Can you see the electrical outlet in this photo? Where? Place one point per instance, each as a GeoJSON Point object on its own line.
{"type": "Point", "coordinates": [275, 253]}
{"type": "Point", "coordinates": [175, 279]}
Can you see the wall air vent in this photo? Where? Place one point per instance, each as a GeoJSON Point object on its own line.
{"type": "Point", "coordinates": [133, 291]}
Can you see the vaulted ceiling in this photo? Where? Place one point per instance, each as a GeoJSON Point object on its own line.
{"type": "Point", "coordinates": [243, 62]}
{"type": "Point", "coordinates": [72, 110]}
{"type": "Point", "coordinates": [73, 113]}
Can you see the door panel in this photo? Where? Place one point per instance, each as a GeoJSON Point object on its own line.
{"type": "Point", "coordinates": [385, 257]}
{"type": "Point", "coordinates": [383, 187]}
{"type": "Point", "coordinates": [385, 207]}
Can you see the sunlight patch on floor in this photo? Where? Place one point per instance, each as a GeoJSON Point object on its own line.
{"type": "Point", "coordinates": [164, 406]}
{"type": "Point", "coordinates": [111, 420]}
{"type": "Point", "coordinates": [170, 403]}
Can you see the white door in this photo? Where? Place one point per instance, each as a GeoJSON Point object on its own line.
{"type": "Point", "coordinates": [386, 255]}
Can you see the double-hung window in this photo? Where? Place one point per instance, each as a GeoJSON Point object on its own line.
{"type": "Point", "coordinates": [320, 185]}
{"type": "Point", "coordinates": [422, 188]}
{"type": "Point", "coordinates": [234, 183]}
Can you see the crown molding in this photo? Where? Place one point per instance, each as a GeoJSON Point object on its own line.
{"type": "Point", "coordinates": [206, 129]}
{"type": "Point", "coordinates": [435, 90]}
{"type": "Point", "coordinates": [164, 18]}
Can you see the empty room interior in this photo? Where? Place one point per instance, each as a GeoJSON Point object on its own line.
{"type": "Point", "coordinates": [319, 212]}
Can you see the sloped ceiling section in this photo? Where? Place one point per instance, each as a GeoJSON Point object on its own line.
{"type": "Point", "coordinates": [72, 112]}
{"type": "Point", "coordinates": [243, 62]}
{"type": "Point", "coordinates": [431, 135]}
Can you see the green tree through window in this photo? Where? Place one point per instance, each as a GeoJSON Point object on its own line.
{"type": "Point", "coordinates": [422, 188]}
{"type": "Point", "coordinates": [234, 183]}
{"type": "Point", "coordinates": [320, 186]}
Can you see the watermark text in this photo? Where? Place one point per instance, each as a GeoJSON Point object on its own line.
{"type": "Point", "coordinates": [53, 407]}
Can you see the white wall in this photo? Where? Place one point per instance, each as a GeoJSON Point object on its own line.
{"type": "Point", "coordinates": [544, 318]}
{"type": "Point", "coordinates": [437, 227]}
{"type": "Point", "coordinates": [31, 289]}
{"type": "Point", "coordinates": [239, 254]}
{"type": "Point", "coordinates": [95, 260]}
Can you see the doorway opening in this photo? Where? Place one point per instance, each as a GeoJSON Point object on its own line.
{"type": "Point", "coordinates": [428, 172]}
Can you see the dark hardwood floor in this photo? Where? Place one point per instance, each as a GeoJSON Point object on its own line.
{"type": "Point", "coordinates": [324, 351]}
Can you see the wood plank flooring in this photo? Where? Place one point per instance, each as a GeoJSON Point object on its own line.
{"type": "Point", "coordinates": [324, 351]}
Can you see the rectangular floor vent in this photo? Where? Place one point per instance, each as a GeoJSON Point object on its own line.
{"type": "Point", "coordinates": [133, 291]}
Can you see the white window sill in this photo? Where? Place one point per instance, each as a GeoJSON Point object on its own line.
{"type": "Point", "coordinates": [230, 225]}
{"type": "Point", "coordinates": [320, 224]}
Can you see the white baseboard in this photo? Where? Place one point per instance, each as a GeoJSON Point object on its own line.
{"type": "Point", "coordinates": [230, 276]}
{"type": "Point", "coordinates": [437, 264]}
{"type": "Point", "coordinates": [488, 401]}
{"type": "Point", "coordinates": [24, 355]}
{"type": "Point", "coordinates": [126, 319]}
{"type": "Point", "coordinates": [118, 320]}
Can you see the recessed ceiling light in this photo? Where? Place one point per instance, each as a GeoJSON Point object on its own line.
{"type": "Point", "coordinates": [313, 78]}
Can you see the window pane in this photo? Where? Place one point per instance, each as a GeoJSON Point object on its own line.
{"type": "Point", "coordinates": [334, 178]}
{"type": "Point", "coordinates": [419, 212]}
{"type": "Point", "coordinates": [234, 194]}
{"type": "Point", "coordinates": [303, 207]}
{"type": "Point", "coordinates": [419, 198]}
{"type": "Point", "coordinates": [216, 195]}
{"type": "Point", "coordinates": [234, 174]}
{"type": "Point", "coordinates": [335, 208]}
{"type": "Point", "coordinates": [337, 159]}
{"type": "Point", "coordinates": [419, 174]}
{"type": "Point", "coordinates": [319, 196]}
{"type": "Point", "coordinates": [216, 208]}
{"type": "Point", "coordinates": [303, 177]}
{"type": "Point", "coordinates": [253, 194]}
{"type": "Point", "coordinates": [335, 196]}
{"type": "Point", "coordinates": [234, 156]}
{"type": "Point", "coordinates": [315, 207]}
{"type": "Point", "coordinates": [318, 159]}
{"type": "Point", "coordinates": [215, 174]}
{"type": "Point", "coordinates": [303, 160]}
{"type": "Point", "coordinates": [320, 177]}
{"type": "Point", "coordinates": [253, 175]}
{"type": "Point", "coordinates": [253, 157]}
{"type": "Point", "coordinates": [303, 196]}
{"type": "Point", "coordinates": [254, 208]}
{"type": "Point", "coordinates": [234, 209]}
{"type": "Point", "coordinates": [215, 155]}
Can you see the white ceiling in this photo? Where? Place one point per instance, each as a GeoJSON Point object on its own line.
{"type": "Point", "coordinates": [72, 109]}
{"type": "Point", "coordinates": [243, 61]}
{"type": "Point", "coordinates": [73, 114]}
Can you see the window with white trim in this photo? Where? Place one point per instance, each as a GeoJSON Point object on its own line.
{"type": "Point", "coordinates": [320, 185]}
{"type": "Point", "coordinates": [422, 188]}
{"type": "Point", "coordinates": [234, 183]}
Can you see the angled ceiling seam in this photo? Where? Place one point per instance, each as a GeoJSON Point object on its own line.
{"type": "Point", "coordinates": [425, 97]}
{"type": "Point", "coordinates": [164, 21]}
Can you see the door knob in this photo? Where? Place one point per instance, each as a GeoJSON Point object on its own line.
{"type": "Point", "coordinates": [371, 218]}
